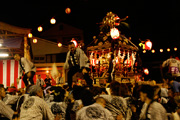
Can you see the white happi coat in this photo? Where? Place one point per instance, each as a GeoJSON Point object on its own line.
{"type": "Point", "coordinates": [174, 66]}
{"type": "Point", "coordinates": [5, 111]}
{"type": "Point", "coordinates": [35, 108]}
{"type": "Point", "coordinates": [116, 105]}
{"type": "Point", "coordinates": [94, 112]}
{"type": "Point", "coordinates": [27, 66]}
{"type": "Point", "coordinates": [155, 112]}
{"type": "Point", "coordinates": [81, 57]}
{"type": "Point", "coordinates": [59, 105]}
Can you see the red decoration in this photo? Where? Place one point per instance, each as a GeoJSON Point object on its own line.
{"type": "Point", "coordinates": [68, 10]}
{"type": "Point", "coordinates": [75, 42]}
{"type": "Point", "coordinates": [146, 71]}
{"type": "Point", "coordinates": [148, 45]}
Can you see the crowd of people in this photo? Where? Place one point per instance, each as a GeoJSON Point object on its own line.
{"type": "Point", "coordinates": [115, 101]}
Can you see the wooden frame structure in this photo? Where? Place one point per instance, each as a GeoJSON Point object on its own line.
{"type": "Point", "coordinates": [9, 31]}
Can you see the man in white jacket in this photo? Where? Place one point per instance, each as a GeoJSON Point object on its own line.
{"type": "Point", "coordinates": [173, 67]}
{"type": "Point", "coordinates": [27, 67]}
{"type": "Point", "coordinates": [76, 59]}
{"type": "Point", "coordinates": [35, 108]}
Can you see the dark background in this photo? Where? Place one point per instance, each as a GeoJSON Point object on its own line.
{"type": "Point", "coordinates": [157, 20]}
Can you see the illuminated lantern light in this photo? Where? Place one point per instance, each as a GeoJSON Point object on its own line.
{"type": "Point", "coordinates": [117, 60]}
{"type": "Point", "coordinates": [128, 63]}
{"type": "Point", "coordinates": [40, 29]}
{"type": "Point", "coordinates": [68, 11]}
{"type": "Point", "coordinates": [114, 33]}
{"type": "Point", "coordinates": [47, 71]}
{"type": "Point", "coordinates": [75, 42]}
{"type": "Point", "coordinates": [153, 51]}
{"type": "Point", "coordinates": [34, 40]}
{"type": "Point", "coordinates": [59, 44]}
{"type": "Point", "coordinates": [53, 21]}
{"type": "Point", "coordinates": [144, 51]}
{"type": "Point", "coordinates": [146, 71]}
{"type": "Point", "coordinates": [148, 45]}
{"type": "Point", "coordinates": [161, 50]}
{"type": "Point", "coordinates": [168, 50]}
{"type": "Point", "coordinates": [175, 49]}
{"type": "Point", "coordinates": [93, 62]}
{"type": "Point", "coordinates": [30, 35]}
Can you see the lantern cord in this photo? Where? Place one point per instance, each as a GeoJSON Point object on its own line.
{"type": "Point", "coordinates": [133, 44]}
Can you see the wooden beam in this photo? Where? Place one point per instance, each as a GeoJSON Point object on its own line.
{"type": "Point", "coordinates": [14, 29]}
{"type": "Point", "coordinates": [48, 64]}
{"type": "Point", "coordinates": [9, 35]}
{"type": "Point", "coordinates": [42, 69]}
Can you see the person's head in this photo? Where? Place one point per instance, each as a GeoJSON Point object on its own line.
{"type": "Point", "coordinates": [2, 92]}
{"type": "Point", "coordinates": [71, 47]}
{"type": "Point", "coordinates": [146, 92]}
{"type": "Point", "coordinates": [101, 101]}
{"type": "Point", "coordinates": [77, 92]}
{"type": "Point", "coordinates": [168, 78]}
{"type": "Point", "coordinates": [17, 57]}
{"type": "Point", "coordinates": [87, 97]}
{"type": "Point", "coordinates": [47, 76]}
{"type": "Point", "coordinates": [59, 93]}
{"type": "Point", "coordinates": [36, 90]}
{"type": "Point", "coordinates": [170, 92]}
{"type": "Point", "coordinates": [39, 77]}
{"type": "Point", "coordinates": [114, 88]}
{"type": "Point", "coordinates": [123, 90]}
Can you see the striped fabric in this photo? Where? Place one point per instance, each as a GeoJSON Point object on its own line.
{"type": "Point", "coordinates": [9, 72]}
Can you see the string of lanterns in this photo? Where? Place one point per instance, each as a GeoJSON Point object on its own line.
{"type": "Point", "coordinates": [161, 50]}
{"type": "Point", "coordinates": [52, 21]}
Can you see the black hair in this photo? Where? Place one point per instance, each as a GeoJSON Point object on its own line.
{"type": "Point", "coordinates": [59, 93]}
{"type": "Point", "coordinates": [77, 92]}
{"type": "Point", "coordinates": [115, 86]}
{"type": "Point", "coordinates": [1, 86]}
{"type": "Point", "coordinates": [70, 43]}
{"type": "Point", "coordinates": [148, 89]}
{"type": "Point", "coordinates": [87, 97]}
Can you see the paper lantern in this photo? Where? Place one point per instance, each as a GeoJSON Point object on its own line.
{"type": "Point", "coordinates": [144, 51]}
{"type": "Point", "coordinates": [93, 62]}
{"type": "Point", "coordinates": [168, 50]}
{"type": "Point", "coordinates": [175, 49]}
{"type": "Point", "coordinates": [59, 44]}
{"type": "Point", "coordinates": [114, 33]}
{"type": "Point", "coordinates": [34, 40]}
{"type": "Point", "coordinates": [68, 10]}
{"type": "Point", "coordinates": [30, 35]}
{"type": "Point", "coordinates": [153, 51]}
{"type": "Point", "coordinates": [53, 21]}
{"type": "Point", "coordinates": [75, 42]}
{"type": "Point", "coordinates": [148, 45]}
{"type": "Point", "coordinates": [146, 71]}
{"type": "Point", "coordinates": [40, 29]}
{"type": "Point", "coordinates": [161, 50]}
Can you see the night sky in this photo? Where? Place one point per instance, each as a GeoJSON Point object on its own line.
{"type": "Point", "coordinates": [157, 20]}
